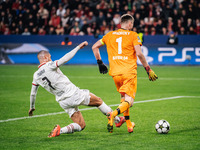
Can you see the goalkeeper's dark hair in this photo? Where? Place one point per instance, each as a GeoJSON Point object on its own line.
{"type": "Point", "coordinates": [126, 17]}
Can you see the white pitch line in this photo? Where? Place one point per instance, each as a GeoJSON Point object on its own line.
{"type": "Point", "coordinates": [143, 78]}
{"type": "Point", "coordinates": [100, 77]}
{"type": "Point", "coordinates": [145, 101]}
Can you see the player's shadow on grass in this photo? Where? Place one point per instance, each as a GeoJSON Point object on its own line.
{"type": "Point", "coordinates": [70, 138]}
{"type": "Point", "coordinates": [88, 136]}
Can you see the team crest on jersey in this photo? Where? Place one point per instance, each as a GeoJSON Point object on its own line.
{"type": "Point", "coordinates": [139, 39]}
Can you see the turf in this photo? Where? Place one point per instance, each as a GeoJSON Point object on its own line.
{"type": "Point", "coordinates": [31, 133]}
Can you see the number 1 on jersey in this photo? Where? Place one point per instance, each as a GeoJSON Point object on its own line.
{"type": "Point", "coordinates": [119, 41]}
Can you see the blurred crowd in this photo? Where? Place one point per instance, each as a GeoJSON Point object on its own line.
{"type": "Point", "coordinates": [98, 17]}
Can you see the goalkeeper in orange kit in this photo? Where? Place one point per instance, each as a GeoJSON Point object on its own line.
{"type": "Point", "coordinates": [123, 47]}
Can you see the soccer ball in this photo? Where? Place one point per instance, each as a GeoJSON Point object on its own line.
{"type": "Point", "coordinates": [162, 126]}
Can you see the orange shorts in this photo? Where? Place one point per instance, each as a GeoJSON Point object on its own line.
{"type": "Point", "coordinates": [126, 84]}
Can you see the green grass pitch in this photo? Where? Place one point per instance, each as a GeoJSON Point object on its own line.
{"type": "Point", "coordinates": [183, 113]}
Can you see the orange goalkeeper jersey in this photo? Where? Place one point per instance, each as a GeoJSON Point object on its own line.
{"type": "Point", "coordinates": [121, 52]}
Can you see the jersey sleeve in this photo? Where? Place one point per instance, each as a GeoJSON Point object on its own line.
{"type": "Point", "coordinates": [103, 40]}
{"type": "Point", "coordinates": [136, 39]}
{"type": "Point", "coordinates": [67, 57]}
{"type": "Point", "coordinates": [33, 96]}
{"type": "Point", "coordinates": [34, 82]}
{"type": "Point", "coordinates": [53, 64]}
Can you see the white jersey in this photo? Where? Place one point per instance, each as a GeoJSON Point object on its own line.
{"type": "Point", "coordinates": [50, 77]}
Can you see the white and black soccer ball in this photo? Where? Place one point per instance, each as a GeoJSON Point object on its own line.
{"type": "Point", "coordinates": [162, 126]}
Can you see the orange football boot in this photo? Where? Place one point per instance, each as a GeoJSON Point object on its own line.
{"type": "Point", "coordinates": [130, 129]}
{"type": "Point", "coordinates": [110, 122]}
{"type": "Point", "coordinates": [122, 120]}
{"type": "Point", "coordinates": [55, 131]}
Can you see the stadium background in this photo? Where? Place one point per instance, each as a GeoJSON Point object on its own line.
{"type": "Point", "coordinates": [27, 26]}
{"type": "Point", "coordinates": [22, 50]}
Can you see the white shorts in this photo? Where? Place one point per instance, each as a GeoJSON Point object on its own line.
{"type": "Point", "coordinates": [70, 104]}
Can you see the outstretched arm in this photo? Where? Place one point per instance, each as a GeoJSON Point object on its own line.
{"type": "Point", "coordinates": [71, 54]}
{"type": "Point", "coordinates": [95, 48]}
{"type": "Point", "coordinates": [32, 99]}
{"type": "Point", "coordinates": [150, 72]}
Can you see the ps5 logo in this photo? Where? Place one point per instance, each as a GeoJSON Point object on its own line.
{"type": "Point", "coordinates": [145, 53]}
{"type": "Point", "coordinates": [170, 51]}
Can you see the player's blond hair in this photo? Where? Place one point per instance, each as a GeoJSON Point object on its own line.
{"type": "Point", "coordinates": [42, 53]}
{"type": "Point", "coordinates": [126, 17]}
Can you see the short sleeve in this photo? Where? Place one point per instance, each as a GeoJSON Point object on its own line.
{"type": "Point", "coordinates": [104, 39]}
{"type": "Point", "coordinates": [136, 39]}
{"type": "Point", "coordinates": [102, 42]}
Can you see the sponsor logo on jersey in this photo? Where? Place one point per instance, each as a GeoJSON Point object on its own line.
{"type": "Point", "coordinates": [120, 57]}
{"type": "Point", "coordinates": [41, 72]}
{"type": "Point", "coordinates": [121, 33]}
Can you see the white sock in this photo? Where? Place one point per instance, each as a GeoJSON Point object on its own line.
{"type": "Point", "coordinates": [117, 119]}
{"type": "Point", "coordinates": [71, 128]}
{"type": "Point", "coordinates": [105, 109]}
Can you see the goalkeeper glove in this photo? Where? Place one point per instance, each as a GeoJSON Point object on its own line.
{"type": "Point", "coordinates": [151, 74]}
{"type": "Point", "coordinates": [102, 67]}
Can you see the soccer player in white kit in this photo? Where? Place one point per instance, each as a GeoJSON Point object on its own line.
{"type": "Point", "coordinates": [50, 77]}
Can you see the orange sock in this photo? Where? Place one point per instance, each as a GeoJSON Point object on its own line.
{"type": "Point", "coordinates": [122, 100]}
{"type": "Point", "coordinates": [127, 118]}
{"type": "Point", "coordinates": [122, 107]}
{"type": "Point", "coordinates": [126, 113]}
